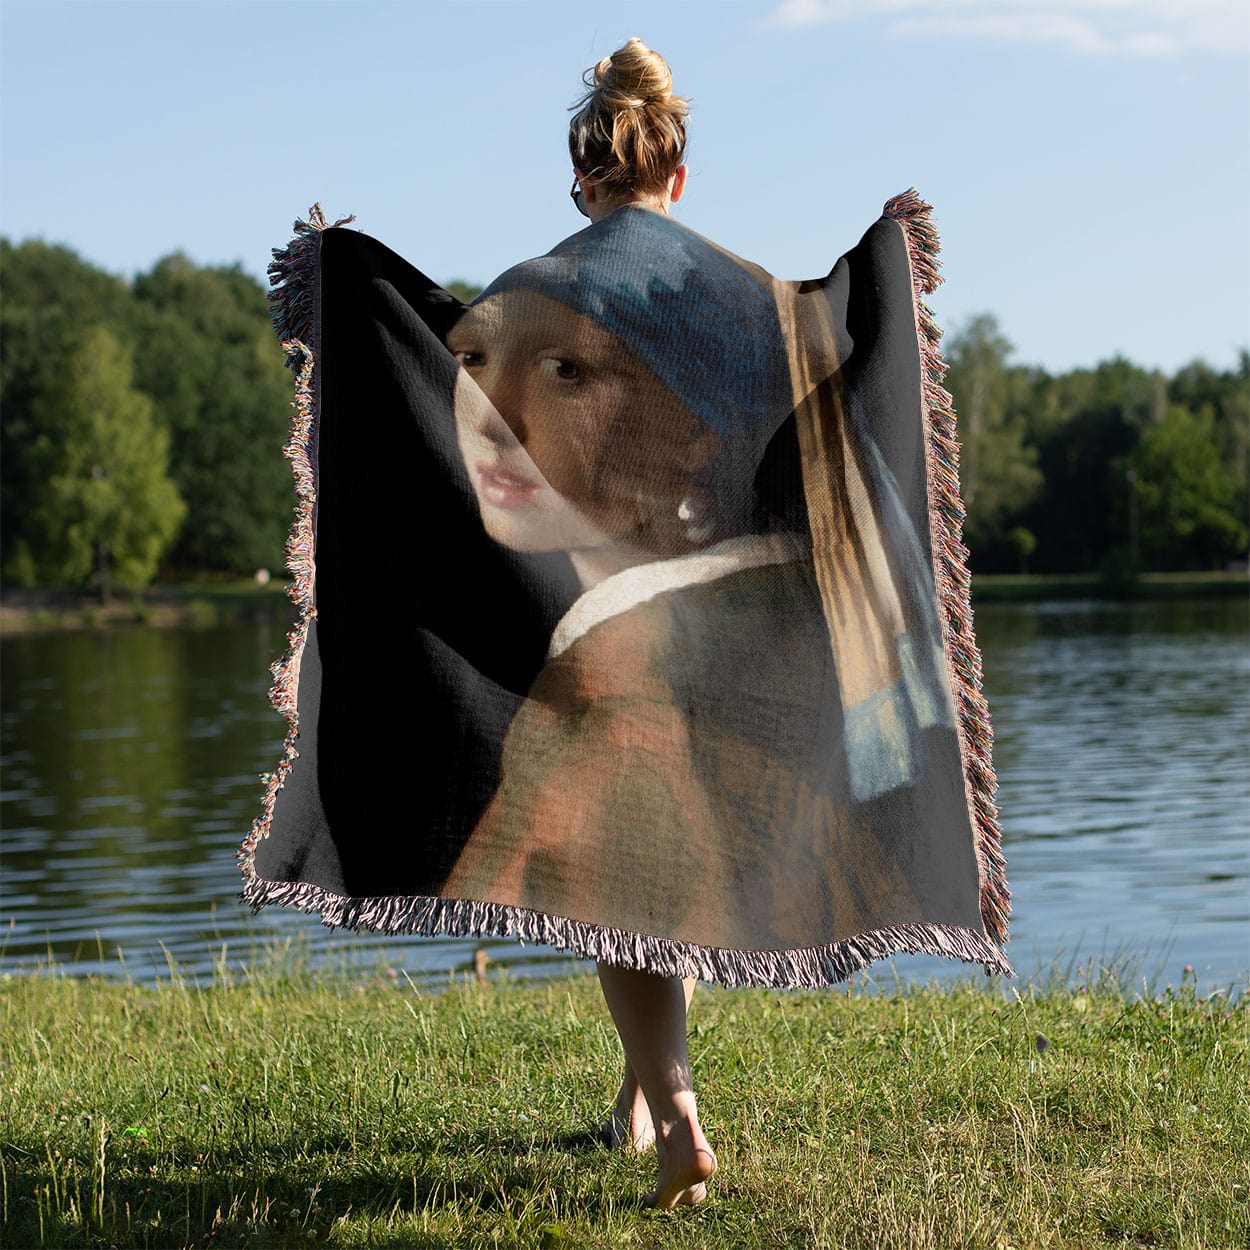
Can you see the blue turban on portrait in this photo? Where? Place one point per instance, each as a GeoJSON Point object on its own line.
{"type": "Point", "coordinates": [695, 316]}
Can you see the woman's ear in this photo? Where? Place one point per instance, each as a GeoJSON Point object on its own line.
{"type": "Point", "coordinates": [678, 183]}
{"type": "Point", "coordinates": [587, 184]}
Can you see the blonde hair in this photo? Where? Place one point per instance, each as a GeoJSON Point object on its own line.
{"type": "Point", "coordinates": [629, 132]}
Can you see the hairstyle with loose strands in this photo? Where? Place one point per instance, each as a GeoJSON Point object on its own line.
{"type": "Point", "coordinates": [629, 133]}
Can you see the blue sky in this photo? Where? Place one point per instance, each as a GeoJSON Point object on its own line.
{"type": "Point", "coordinates": [1089, 160]}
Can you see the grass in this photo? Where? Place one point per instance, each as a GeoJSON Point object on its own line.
{"type": "Point", "coordinates": [286, 1108]}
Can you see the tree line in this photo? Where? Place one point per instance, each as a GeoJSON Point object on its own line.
{"type": "Point", "coordinates": [142, 422]}
{"type": "Point", "coordinates": [1113, 470]}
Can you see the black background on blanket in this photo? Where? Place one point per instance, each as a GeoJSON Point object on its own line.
{"type": "Point", "coordinates": [870, 291]}
{"type": "Point", "coordinates": [428, 633]}
{"type": "Point", "coordinates": [881, 374]}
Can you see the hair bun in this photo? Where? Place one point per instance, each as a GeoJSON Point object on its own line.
{"type": "Point", "coordinates": [633, 77]}
{"type": "Point", "coordinates": [630, 129]}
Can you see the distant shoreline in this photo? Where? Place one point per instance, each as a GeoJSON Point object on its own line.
{"type": "Point", "coordinates": [163, 606]}
{"type": "Point", "coordinates": [1000, 587]}
{"type": "Point", "coordinates": [198, 604]}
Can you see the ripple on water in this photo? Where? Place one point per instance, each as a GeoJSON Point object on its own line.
{"type": "Point", "coordinates": [131, 762]}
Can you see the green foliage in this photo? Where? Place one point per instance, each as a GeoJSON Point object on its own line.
{"type": "Point", "coordinates": [1053, 456]}
{"type": "Point", "coordinates": [51, 299]}
{"type": "Point", "coordinates": [998, 468]}
{"type": "Point", "coordinates": [106, 506]}
{"type": "Point", "coordinates": [207, 351]}
{"type": "Point", "coordinates": [1081, 517]}
{"type": "Point", "coordinates": [1186, 492]}
{"type": "Point", "coordinates": [1024, 543]}
{"type": "Point", "coordinates": [206, 359]}
{"type": "Point", "coordinates": [1222, 402]}
{"type": "Point", "coordinates": [465, 292]}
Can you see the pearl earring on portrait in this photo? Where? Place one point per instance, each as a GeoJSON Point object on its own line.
{"type": "Point", "coordinates": [698, 528]}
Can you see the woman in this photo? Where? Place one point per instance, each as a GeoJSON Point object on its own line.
{"type": "Point", "coordinates": [617, 401]}
{"type": "Point", "coordinates": [677, 671]}
{"type": "Point", "coordinates": [567, 399]}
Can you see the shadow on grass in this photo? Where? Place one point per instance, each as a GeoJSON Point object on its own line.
{"type": "Point", "coordinates": [262, 1197]}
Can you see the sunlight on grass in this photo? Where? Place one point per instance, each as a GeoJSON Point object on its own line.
{"type": "Point", "coordinates": [349, 1107]}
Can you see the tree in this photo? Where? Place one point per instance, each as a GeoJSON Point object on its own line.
{"type": "Point", "coordinates": [465, 292]}
{"type": "Point", "coordinates": [1023, 543]}
{"type": "Point", "coordinates": [1095, 468]}
{"type": "Point", "coordinates": [208, 357]}
{"type": "Point", "coordinates": [1087, 426]}
{"type": "Point", "coordinates": [106, 507]}
{"type": "Point", "coordinates": [1223, 400]}
{"type": "Point", "coordinates": [1186, 495]}
{"type": "Point", "coordinates": [51, 299]}
{"type": "Point", "coordinates": [997, 467]}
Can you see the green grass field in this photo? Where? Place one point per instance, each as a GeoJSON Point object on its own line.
{"type": "Point", "coordinates": [286, 1109]}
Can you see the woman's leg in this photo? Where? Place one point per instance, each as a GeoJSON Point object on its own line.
{"type": "Point", "coordinates": [650, 1015]}
{"type": "Point", "coordinates": [629, 1123]}
{"type": "Point", "coordinates": [628, 1126]}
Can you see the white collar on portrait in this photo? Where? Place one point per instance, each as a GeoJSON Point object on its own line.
{"type": "Point", "coordinates": [629, 588]}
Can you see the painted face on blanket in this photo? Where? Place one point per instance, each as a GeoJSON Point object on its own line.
{"type": "Point", "coordinates": [570, 441]}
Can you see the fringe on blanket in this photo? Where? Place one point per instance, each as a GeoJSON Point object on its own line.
{"type": "Point", "coordinates": [294, 305]}
{"type": "Point", "coordinates": [950, 565]}
{"type": "Point", "coordinates": [293, 276]}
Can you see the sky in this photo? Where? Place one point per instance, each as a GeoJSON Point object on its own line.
{"type": "Point", "coordinates": [1088, 160]}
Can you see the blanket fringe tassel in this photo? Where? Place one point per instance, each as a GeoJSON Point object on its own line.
{"type": "Point", "coordinates": [293, 273]}
{"type": "Point", "coordinates": [809, 968]}
{"type": "Point", "coordinates": [950, 560]}
{"type": "Point", "coordinates": [293, 302]}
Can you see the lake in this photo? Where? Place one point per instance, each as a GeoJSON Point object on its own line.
{"type": "Point", "coordinates": [130, 776]}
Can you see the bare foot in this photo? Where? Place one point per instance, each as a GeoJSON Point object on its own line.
{"type": "Point", "coordinates": [629, 1126]}
{"type": "Point", "coordinates": [686, 1165]}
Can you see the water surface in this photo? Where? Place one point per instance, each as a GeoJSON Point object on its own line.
{"type": "Point", "coordinates": [131, 760]}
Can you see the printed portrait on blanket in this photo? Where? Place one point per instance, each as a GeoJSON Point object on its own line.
{"type": "Point", "coordinates": [676, 665]}
{"type": "Point", "coordinates": [570, 441]}
{"type": "Point", "coordinates": [750, 689]}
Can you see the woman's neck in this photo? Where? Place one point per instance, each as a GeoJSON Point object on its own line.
{"type": "Point", "coordinates": [603, 208]}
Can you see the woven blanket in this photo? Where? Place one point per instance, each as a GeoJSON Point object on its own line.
{"type": "Point", "coordinates": [633, 614]}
